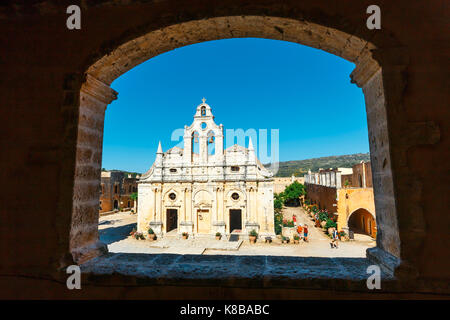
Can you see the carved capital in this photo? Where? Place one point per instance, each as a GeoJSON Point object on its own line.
{"type": "Point", "coordinates": [98, 90]}
{"type": "Point", "coordinates": [365, 69]}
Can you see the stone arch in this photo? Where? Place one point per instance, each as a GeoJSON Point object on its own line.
{"type": "Point", "coordinates": [370, 212]}
{"type": "Point", "coordinates": [202, 197]}
{"type": "Point", "coordinates": [211, 141]}
{"type": "Point", "coordinates": [362, 220]}
{"type": "Point", "coordinates": [96, 95]}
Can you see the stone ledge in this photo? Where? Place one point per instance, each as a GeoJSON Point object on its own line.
{"type": "Point", "coordinates": [126, 269]}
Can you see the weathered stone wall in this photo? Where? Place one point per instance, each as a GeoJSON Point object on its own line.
{"type": "Point", "coordinates": [280, 183]}
{"type": "Point", "coordinates": [352, 199]}
{"type": "Point", "coordinates": [51, 173]}
{"type": "Point", "coordinates": [325, 197]}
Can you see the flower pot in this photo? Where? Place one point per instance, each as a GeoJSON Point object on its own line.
{"type": "Point", "coordinates": [218, 237]}
{"type": "Point", "coordinates": [296, 241]}
{"type": "Point", "coordinates": [252, 239]}
{"type": "Point", "coordinates": [151, 236]}
{"type": "Point", "coordinates": [185, 237]}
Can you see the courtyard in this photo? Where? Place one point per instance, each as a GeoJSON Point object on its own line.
{"type": "Point", "coordinates": [114, 230]}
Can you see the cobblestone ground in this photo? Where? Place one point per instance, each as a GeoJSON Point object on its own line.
{"type": "Point", "coordinates": [114, 231]}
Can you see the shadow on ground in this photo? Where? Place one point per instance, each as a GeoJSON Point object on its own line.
{"type": "Point", "coordinates": [110, 235]}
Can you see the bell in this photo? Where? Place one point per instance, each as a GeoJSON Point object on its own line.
{"type": "Point", "coordinates": [211, 139]}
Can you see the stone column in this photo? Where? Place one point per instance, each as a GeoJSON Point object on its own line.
{"type": "Point", "coordinates": [84, 241]}
{"type": "Point", "coordinates": [338, 179]}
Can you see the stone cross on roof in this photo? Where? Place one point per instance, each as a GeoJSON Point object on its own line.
{"type": "Point", "coordinates": [203, 100]}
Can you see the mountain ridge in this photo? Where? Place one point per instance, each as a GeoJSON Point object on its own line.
{"type": "Point", "coordinates": [300, 167]}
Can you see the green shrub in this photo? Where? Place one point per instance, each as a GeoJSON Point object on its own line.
{"type": "Point", "coordinates": [150, 231]}
{"type": "Point", "coordinates": [330, 224]}
{"type": "Point", "coordinates": [278, 220]}
{"type": "Point", "coordinates": [253, 233]}
{"type": "Point", "coordinates": [323, 216]}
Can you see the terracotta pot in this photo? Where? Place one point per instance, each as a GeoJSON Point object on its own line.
{"type": "Point", "coordinates": [151, 236]}
{"type": "Point", "coordinates": [296, 241]}
{"type": "Point", "coordinates": [185, 237]}
{"type": "Point", "coordinates": [252, 239]}
{"type": "Point", "coordinates": [218, 237]}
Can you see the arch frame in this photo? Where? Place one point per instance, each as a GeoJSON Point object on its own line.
{"type": "Point", "coordinates": [95, 95]}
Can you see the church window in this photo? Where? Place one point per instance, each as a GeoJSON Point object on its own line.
{"type": "Point", "coordinates": [172, 196]}
{"type": "Point", "coordinates": [234, 168]}
{"type": "Point", "coordinates": [235, 196]}
{"type": "Point", "coordinates": [203, 125]}
{"type": "Point", "coordinates": [203, 111]}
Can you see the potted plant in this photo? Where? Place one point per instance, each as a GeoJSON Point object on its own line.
{"type": "Point", "coordinates": [252, 236]}
{"type": "Point", "coordinates": [185, 235]}
{"type": "Point", "coordinates": [139, 236]}
{"type": "Point", "coordinates": [296, 239]}
{"type": "Point", "coordinates": [151, 234]}
{"type": "Point", "coordinates": [218, 236]}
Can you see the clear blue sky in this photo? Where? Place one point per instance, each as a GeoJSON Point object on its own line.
{"type": "Point", "coordinates": [249, 83]}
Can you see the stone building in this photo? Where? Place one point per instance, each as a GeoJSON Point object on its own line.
{"type": "Point", "coordinates": [225, 190]}
{"type": "Point", "coordinates": [347, 193]}
{"type": "Point", "coordinates": [116, 189]}
{"type": "Point", "coordinates": [280, 183]}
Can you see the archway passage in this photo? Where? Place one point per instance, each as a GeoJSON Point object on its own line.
{"type": "Point", "coordinates": [362, 221]}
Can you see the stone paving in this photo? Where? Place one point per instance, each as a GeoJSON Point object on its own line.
{"type": "Point", "coordinates": [114, 231]}
{"type": "Point", "coordinates": [199, 262]}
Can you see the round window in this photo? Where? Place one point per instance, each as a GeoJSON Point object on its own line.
{"type": "Point", "coordinates": [203, 125]}
{"type": "Point", "coordinates": [172, 196]}
{"type": "Point", "coordinates": [235, 196]}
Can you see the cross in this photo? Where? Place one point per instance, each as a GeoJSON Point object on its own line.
{"type": "Point", "coordinates": [203, 100]}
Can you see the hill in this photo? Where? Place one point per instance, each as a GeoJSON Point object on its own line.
{"type": "Point", "coordinates": [300, 167]}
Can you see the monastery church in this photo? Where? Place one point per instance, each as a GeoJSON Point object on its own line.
{"type": "Point", "coordinates": [227, 191]}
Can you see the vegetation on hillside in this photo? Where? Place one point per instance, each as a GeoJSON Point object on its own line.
{"type": "Point", "coordinates": [299, 168]}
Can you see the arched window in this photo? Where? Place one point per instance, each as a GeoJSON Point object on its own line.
{"type": "Point", "coordinates": [211, 143]}
{"type": "Point", "coordinates": [203, 111]}
{"type": "Point", "coordinates": [195, 144]}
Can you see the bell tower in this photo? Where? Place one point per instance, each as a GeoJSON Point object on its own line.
{"type": "Point", "coordinates": [204, 131]}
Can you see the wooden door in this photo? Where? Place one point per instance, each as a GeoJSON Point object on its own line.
{"type": "Point", "coordinates": [203, 221]}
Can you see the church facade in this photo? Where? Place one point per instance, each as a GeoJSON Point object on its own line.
{"type": "Point", "coordinates": [203, 191]}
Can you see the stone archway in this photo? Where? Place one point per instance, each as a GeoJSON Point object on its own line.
{"type": "Point", "coordinates": [96, 94]}
{"type": "Point", "coordinates": [362, 221]}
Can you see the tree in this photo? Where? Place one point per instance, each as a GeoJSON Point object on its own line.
{"type": "Point", "coordinates": [292, 193]}
{"type": "Point", "coordinates": [134, 196]}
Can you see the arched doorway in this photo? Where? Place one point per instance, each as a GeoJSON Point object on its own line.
{"type": "Point", "coordinates": [116, 204]}
{"type": "Point", "coordinates": [362, 221]}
